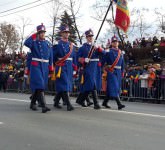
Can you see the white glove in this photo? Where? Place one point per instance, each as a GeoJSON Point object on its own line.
{"type": "Point", "coordinates": [87, 60]}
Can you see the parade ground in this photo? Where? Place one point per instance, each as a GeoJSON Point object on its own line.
{"type": "Point", "coordinates": [140, 126]}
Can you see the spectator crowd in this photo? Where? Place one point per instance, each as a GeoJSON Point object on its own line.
{"type": "Point", "coordinates": [12, 70]}
{"type": "Point", "coordinates": [142, 43]}
{"type": "Point", "coordinates": [146, 81]}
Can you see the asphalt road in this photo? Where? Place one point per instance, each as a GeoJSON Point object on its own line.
{"type": "Point", "coordinates": [140, 126]}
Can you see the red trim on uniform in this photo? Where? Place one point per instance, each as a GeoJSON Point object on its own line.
{"type": "Point", "coordinates": [61, 64]}
{"type": "Point", "coordinates": [111, 69]}
{"type": "Point", "coordinates": [99, 64]}
{"type": "Point", "coordinates": [34, 63]}
{"type": "Point", "coordinates": [51, 68]}
{"type": "Point", "coordinates": [75, 68]}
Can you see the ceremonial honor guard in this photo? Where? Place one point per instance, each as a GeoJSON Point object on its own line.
{"type": "Point", "coordinates": [115, 69]}
{"type": "Point", "coordinates": [78, 100]}
{"type": "Point", "coordinates": [39, 63]}
{"type": "Point", "coordinates": [90, 72]}
{"type": "Point", "coordinates": [64, 58]}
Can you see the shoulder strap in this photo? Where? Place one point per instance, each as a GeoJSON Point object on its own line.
{"type": "Point", "coordinates": [111, 69]}
{"type": "Point", "coordinates": [62, 60]}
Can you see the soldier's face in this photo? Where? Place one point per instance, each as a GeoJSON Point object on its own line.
{"type": "Point", "coordinates": [89, 39]}
{"type": "Point", "coordinates": [42, 35]}
{"type": "Point", "coordinates": [65, 35]}
{"type": "Point", "coordinates": [115, 44]}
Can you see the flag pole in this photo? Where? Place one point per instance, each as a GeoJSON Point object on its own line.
{"type": "Point", "coordinates": [92, 47]}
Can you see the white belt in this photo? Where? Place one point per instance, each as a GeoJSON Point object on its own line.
{"type": "Point", "coordinates": [116, 67]}
{"type": "Point", "coordinates": [67, 59]}
{"type": "Point", "coordinates": [41, 60]}
{"type": "Point", "coordinates": [94, 59]}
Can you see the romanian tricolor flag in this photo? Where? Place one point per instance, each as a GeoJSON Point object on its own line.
{"type": "Point", "coordinates": [136, 78]}
{"type": "Point", "coordinates": [122, 19]}
{"type": "Point", "coordinates": [125, 92]}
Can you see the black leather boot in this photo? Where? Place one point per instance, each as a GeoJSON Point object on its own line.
{"type": "Point", "coordinates": [33, 102]}
{"type": "Point", "coordinates": [89, 103]}
{"type": "Point", "coordinates": [96, 105]}
{"type": "Point", "coordinates": [120, 106]}
{"type": "Point", "coordinates": [105, 102]}
{"type": "Point", "coordinates": [57, 100]}
{"type": "Point", "coordinates": [41, 97]}
{"type": "Point", "coordinates": [81, 99]}
{"type": "Point", "coordinates": [65, 97]}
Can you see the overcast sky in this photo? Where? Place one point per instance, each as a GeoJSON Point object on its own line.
{"type": "Point", "coordinates": [39, 14]}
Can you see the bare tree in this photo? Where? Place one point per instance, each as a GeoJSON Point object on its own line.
{"type": "Point", "coordinates": [54, 13]}
{"type": "Point", "coordinates": [25, 22]}
{"type": "Point", "coordinates": [74, 7]}
{"type": "Point", "coordinates": [141, 25]}
{"type": "Point", "coordinates": [100, 8]}
{"type": "Point", "coordinates": [9, 38]}
{"type": "Point", "coordinates": [160, 18]}
{"type": "Point", "coordinates": [138, 26]}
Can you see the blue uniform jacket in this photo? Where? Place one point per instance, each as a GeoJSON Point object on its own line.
{"type": "Point", "coordinates": [39, 61]}
{"type": "Point", "coordinates": [92, 71]}
{"type": "Point", "coordinates": [64, 83]}
{"type": "Point", "coordinates": [114, 78]}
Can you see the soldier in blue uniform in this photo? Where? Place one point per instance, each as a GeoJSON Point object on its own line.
{"type": "Point", "coordinates": [115, 69]}
{"type": "Point", "coordinates": [80, 96]}
{"type": "Point", "coordinates": [91, 75]}
{"type": "Point", "coordinates": [39, 63]}
{"type": "Point", "coordinates": [64, 58]}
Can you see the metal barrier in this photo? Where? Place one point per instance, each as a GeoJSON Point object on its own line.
{"type": "Point", "coordinates": [141, 89]}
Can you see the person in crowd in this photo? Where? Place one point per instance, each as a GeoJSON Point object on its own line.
{"type": "Point", "coordinates": [156, 55]}
{"type": "Point", "coordinates": [151, 79]}
{"type": "Point", "coordinates": [3, 79]}
{"type": "Point", "coordinates": [128, 45]}
{"type": "Point", "coordinates": [131, 59]}
{"type": "Point", "coordinates": [162, 42]}
{"type": "Point", "coordinates": [155, 41]}
{"type": "Point", "coordinates": [20, 80]}
{"type": "Point", "coordinates": [149, 41]}
{"type": "Point", "coordinates": [143, 42]}
{"type": "Point", "coordinates": [157, 82]}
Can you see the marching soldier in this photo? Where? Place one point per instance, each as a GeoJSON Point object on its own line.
{"type": "Point", "coordinates": [39, 63]}
{"type": "Point", "coordinates": [78, 100]}
{"type": "Point", "coordinates": [64, 58]}
{"type": "Point", "coordinates": [115, 69]}
{"type": "Point", "coordinates": [91, 75]}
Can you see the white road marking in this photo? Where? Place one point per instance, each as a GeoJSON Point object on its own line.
{"type": "Point", "coordinates": [15, 100]}
{"type": "Point", "coordinates": [1, 123]}
{"type": "Point", "coordinates": [135, 113]}
{"type": "Point", "coordinates": [107, 110]}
